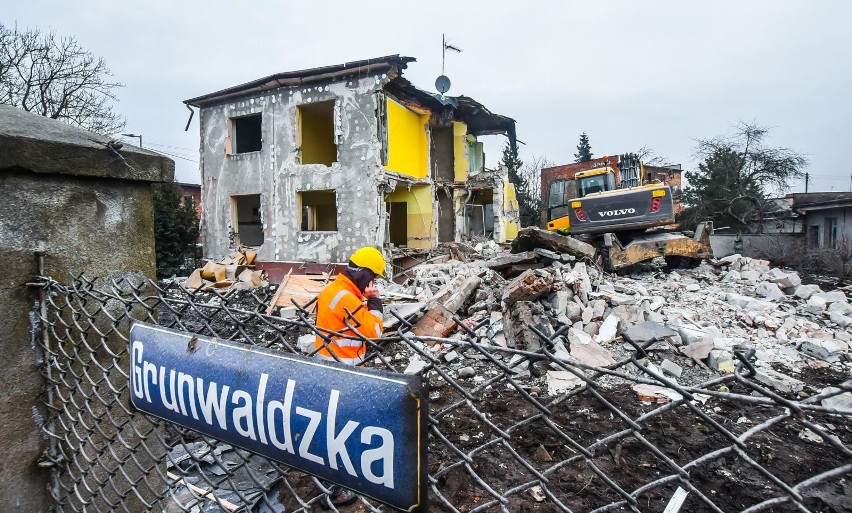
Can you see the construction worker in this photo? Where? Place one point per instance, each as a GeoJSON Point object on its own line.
{"type": "Point", "coordinates": [342, 302]}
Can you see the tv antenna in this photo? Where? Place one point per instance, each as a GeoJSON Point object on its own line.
{"type": "Point", "coordinates": [442, 83]}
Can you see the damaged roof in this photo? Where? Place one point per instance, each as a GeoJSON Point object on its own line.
{"type": "Point", "coordinates": [479, 119]}
{"type": "Point", "coordinates": [391, 64]}
{"type": "Point", "coordinates": [820, 200]}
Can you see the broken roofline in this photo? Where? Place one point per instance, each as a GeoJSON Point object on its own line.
{"type": "Point", "coordinates": [305, 76]}
{"type": "Point", "coordinates": [480, 120]}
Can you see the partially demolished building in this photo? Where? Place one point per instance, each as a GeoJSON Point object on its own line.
{"type": "Point", "coordinates": [310, 165]}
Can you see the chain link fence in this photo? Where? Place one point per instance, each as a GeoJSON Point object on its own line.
{"type": "Point", "coordinates": [506, 433]}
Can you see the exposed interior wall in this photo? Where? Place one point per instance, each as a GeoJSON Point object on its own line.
{"type": "Point", "coordinates": [460, 164]}
{"type": "Point", "coordinates": [247, 222]}
{"type": "Point", "coordinates": [442, 150]}
{"type": "Point", "coordinates": [479, 212]}
{"type": "Point", "coordinates": [407, 140]}
{"type": "Point", "coordinates": [446, 215]}
{"type": "Point", "coordinates": [510, 209]}
{"type": "Point", "coordinates": [475, 156]}
{"type": "Point", "coordinates": [397, 212]}
{"type": "Point", "coordinates": [318, 210]}
{"type": "Point", "coordinates": [316, 141]}
{"type": "Point", "coordinates": [420, 225]}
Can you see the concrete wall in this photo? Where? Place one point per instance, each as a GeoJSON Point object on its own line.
{"type": "Point", "coordinates": [88, 207]}
{"type": "Point", "coordinates": [277, 175]}
{"type": "Point", "coordinates": [768, 246]}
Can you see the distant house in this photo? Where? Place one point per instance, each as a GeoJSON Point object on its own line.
{"type": "Point", "coordinates": [813, 220]}
{"type": "Point", "coordinates": [190, 193]}
{"type": "Point", "coordinates": [310, 165]}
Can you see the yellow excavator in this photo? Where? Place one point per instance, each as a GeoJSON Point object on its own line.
{"type": "Point", "coordinates": [614, 207]}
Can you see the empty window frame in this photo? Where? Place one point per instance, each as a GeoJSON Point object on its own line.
{"type": "Point", "coordinates": [318, 210]}
{"type": "Point", "coordinates": [316, 141]}
{"type": "Point", "coordinates": [246, 216]}
{"type": "Point", "coordinates": [245, 135]}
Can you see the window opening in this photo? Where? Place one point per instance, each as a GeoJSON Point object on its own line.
{"type": "Point", "coordinates": [246, 132]}
{"type": "Point", "coordinates": [316, 133]}
{"type": "Point", "coordinates": [831, 232]}
{"type": "Point", "coordinates": [319, 210]}
{"type": "Point", "coordinates": [249, 225]}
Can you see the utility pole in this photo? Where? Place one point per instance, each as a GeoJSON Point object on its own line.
{"type": "Point", "coordinates": [807, 179]}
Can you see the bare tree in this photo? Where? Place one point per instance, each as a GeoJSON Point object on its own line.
{"type": "Point", "coordinates": [738, 174]}
{"type": "Point", "coordinates": [56, 77]}
{"type": "Point", "coordinates": [530, 172]}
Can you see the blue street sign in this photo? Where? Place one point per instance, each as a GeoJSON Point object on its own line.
{"type": "Point", "coordinates": [363, 429]}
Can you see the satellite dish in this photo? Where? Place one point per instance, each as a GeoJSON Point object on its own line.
{"type": "Point", "coordinates": [442, 84]}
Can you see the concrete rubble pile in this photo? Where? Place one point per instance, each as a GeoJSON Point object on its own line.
{"type": "Point", "coordinates": [693, 321]}
{"type": "Point", "coordinates": [231, 273]}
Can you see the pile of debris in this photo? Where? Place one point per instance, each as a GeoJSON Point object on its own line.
{"type": "Point", "coordinates": [689, 322]}
{"type": "Point", "coordinates": [234, 272]}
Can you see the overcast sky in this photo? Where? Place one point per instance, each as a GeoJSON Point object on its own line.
{"type": "Point", "coordinates": [659, 74]}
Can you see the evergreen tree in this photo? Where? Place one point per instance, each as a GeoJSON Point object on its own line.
{"type": "Point", "coordinates": [584, 150]}
{"type": "Point", "coordinates": [527, 205]}
{"type": "Point", "coordinates": [175, 231]}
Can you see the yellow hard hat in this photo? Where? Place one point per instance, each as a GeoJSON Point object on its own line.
{"type": "Point", "coordinates": [370, 258]}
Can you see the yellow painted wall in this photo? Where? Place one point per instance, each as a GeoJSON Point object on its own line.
{"type": "Point", "coordinates": [421, 227]}
{"type": "Point", "coordinates": [510, 204]}
{"type": "Point", "coordinates": [407, 142]}
{"type": "Point", "coordinates": [460, 151]}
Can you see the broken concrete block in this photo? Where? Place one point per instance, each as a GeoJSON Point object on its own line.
{"type": "Point", "coordinates": [506, 261]}
{"type": "Point", "coordinates": [574, 311]}
{"type": "Point", "coordinates": [578, 336]}
{"type": "Point", "coordinates": [748, 303]}
{"type": "Point", "coordinates": [532, 237]}
{"type": "Point", "coordinates": [629, 314]}
{"type": "Point", "coordinates": [559, 302]}
{"type": "Point", "coordinates": [592, 354]}
{"type": "Point", "coordinates": [647, 331]}
{"type": "Point", "coordinates": [415, 365]}
{"type": "Point", "coordinates": [769, 290]}
{"type": "Point", "coordinates": [841, 401]}
{"type": "Point", "coordinates": [587, 315]}
{"type": "Point", "coordinates": [731, 277]}
{"type": "Point", "coordinates": [562, 381]}
{"type": "Point", "coordinates": [592, 328]}
{"type": "Point", "coordinates": [698, 350]}
{"type": "Point", "coordinates": [824, 349]}
{"type": "Point", "coordinates": [749, 275]}
{"type": "Point", "coordinates": [288, 312]}
{"type": "Point", "coordinates": [806, 291]}
{"type": "Point", "coordinates": [787, 280]}
{"type": "Point", "coordinates": [693, 287]}
{"type": "Point", "coordinates": [730, 259]}
{"type": "Point", "coordinates": [306, 343]}
{"type": "Point", "coordinates": [832, 296]}
{"type": "Point", "coordinates": [451, 356]}
{"type": "Point", "coordinates": [840, 307]}
{"type": "Point", "coordinates": [721, 361]}
{"type": "Point", "coordinates": [671, 368]}
{"type": "Point", "coordinates": [778, 381]}
{"type": "Point", "coordinates": [840, 319]}
{"type": "Point", "coordinates": [608, 329]}
{"type": "Point", "coordinates": [548, 254]}
{"type": "Point", "coordinates": [690, 335]}
{"type": "Point", "coordinates": [815, 305]}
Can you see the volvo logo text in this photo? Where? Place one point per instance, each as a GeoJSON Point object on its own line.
{"type": "Point", "coordinates": [619, 212]}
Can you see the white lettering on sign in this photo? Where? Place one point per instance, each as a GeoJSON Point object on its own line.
{"type": "Point", "coordinates": [268, 422]}
{"type": "Point", "coordinates": [619, 212]}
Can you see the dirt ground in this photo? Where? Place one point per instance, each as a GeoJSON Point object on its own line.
{"type": "Point", "coordinates": [629, 462]}
{"type": "Point", "coordinates": [728, 481]}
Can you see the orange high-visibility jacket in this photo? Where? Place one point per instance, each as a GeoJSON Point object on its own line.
{"type": "Point", "coordinates": [335, 300]}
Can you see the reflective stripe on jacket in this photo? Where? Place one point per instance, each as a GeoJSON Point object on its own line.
{"type": "Point", "coordinates": [335, 300]}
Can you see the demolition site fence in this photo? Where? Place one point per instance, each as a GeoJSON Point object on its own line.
{"type": "Point", "coordinates": [497, 440]}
